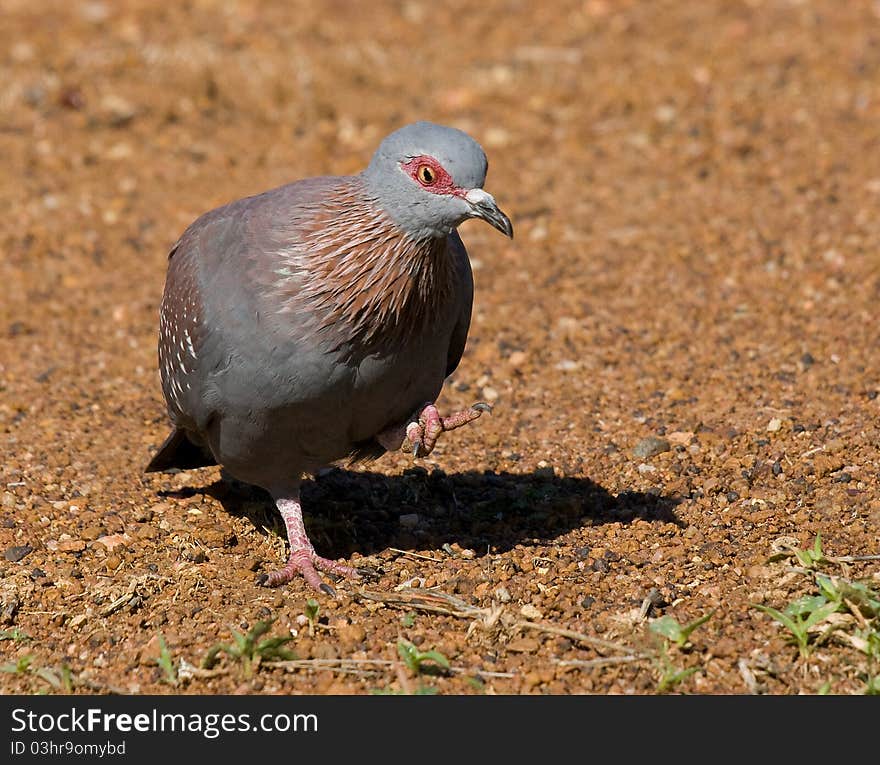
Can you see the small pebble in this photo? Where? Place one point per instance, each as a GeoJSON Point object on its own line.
{"type": "Point", "coordinates": [503, 594]}
{"type": "Point", "coordinates": [16, 553]}
{"type": "Point", "coordinates": [650, 447]}
{"type": "Point", "coordinates": [113, 562]}
{"type": "Point", "coordinates": [489, 393]}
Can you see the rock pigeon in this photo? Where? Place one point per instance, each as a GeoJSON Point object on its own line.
{"type": "Point", "coordinates": [317, 322]}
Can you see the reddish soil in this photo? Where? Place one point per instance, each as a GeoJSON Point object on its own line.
{"type": "Point", "coordinates": [695, 190]}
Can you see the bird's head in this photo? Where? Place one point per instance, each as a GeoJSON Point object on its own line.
{"type": "Point", "coordinates": [429, 179]}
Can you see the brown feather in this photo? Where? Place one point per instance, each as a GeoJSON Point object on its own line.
{"type": "Point", "coordinates": [356, 279]}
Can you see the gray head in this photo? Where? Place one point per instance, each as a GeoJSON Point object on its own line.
{"type": "Point", "coordinates": [429, 179]}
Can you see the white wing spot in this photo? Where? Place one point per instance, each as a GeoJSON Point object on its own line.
{"type": "Point", "coordinates": [189, 344]}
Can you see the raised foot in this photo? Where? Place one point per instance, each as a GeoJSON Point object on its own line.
{"type": "Point", "coordinates": [307, 563]}
{"type": "Point", "coordinates": [424, 433]}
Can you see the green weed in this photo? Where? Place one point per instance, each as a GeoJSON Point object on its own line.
{"type": "Point", "coordinates": [670, 675]}
{"type": "Point", "coordinates": [250, 650]}
{"type": "Point", "coordinates": [14, 634]}
{"type": "Point", "coordinates": [857, 602]}
{"type": "Point", "coordinates": [18, 667]}
{"type": "Point", "coordinates": [311, 612]}
{"type": "Point", "coordinates": [669, 628]}
{"type": "Point", "coordinates": [414, 659]}
{"type": "Point", "coordinates": [166, 662]}
{"type": "Point", "coordinates": [811, 558]}
{"type": "Point", "coordinates": [800, 616]}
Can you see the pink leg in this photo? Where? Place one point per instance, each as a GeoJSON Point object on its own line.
{"type": "Point", "coordinates": [303, 558]}
{"type": "Point", "coordinates": [423, 433]}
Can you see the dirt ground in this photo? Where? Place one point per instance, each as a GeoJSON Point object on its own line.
{"type": "Point", "coordinates": [680, 343]}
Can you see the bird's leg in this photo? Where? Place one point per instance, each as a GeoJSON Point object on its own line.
{"type": "Point", "coordinates": [423, 432]}
{"type": "Point", "coordinates": [303, 558]}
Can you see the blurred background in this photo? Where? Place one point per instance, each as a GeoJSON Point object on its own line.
{"type": "Point", "coordinates": [694, 188]}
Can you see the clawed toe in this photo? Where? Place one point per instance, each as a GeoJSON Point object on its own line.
{"type": "Point", "coordinates": [422, 434]}
{"type": "Point", "coordinates": [305, 564]}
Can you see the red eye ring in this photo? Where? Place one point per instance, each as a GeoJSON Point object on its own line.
{"type": "Point", "coordinates": [431, 175]}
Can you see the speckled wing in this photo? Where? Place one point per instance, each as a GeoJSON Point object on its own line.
{"type": "Point", "coordinates": [181, 332]}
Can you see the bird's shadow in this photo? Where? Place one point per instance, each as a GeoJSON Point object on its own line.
{"type": "Point", "coordinates": [347, 511]}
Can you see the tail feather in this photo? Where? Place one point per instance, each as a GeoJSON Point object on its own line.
{"type": "Point", "coordinates": [177, 451]}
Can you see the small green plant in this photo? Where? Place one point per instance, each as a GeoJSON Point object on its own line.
{"type": "Point", "coordinates": [854, 604]}
{"type": "Point", "coordinates": [856, 597]}
{"type": "Point", "coordinates": [868, 641]}
{"type": "Point", "coordinates": [800, 616]}
{"type": "Point", "coordinates": [670, 675]}
{"type": "Point", "coordinates": [166, 662]}
{"type": "Point", "coordinates": [669, 628]}
{"type": "Point", "coordinates": [811, 558]}
{"type": "Point", "coordinates": [250, 650]}
{"type": "Point", "coordinates": [18, 667]}
{"type": "Point", "coordinates": [60, 680]}
{"type": "Point", "coordinates": [14, 634]}
{"type": "Point", "coordinates": [414, 659]}
{"type": "Point", "coordinates": [408, 619]}
{"type": "Point", "coordinates": [312, 609]}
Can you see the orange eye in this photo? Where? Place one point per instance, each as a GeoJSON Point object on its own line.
{"type": "Point", "coordinates": [426, 175]}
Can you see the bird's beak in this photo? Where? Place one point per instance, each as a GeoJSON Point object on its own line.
{"type": "Point", "coordinates": [483, 206]}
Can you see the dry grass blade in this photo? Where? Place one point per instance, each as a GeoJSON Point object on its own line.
{"type": "Point", "coordinates": [122, 600]}
{"type": "Point", "coordinates": [600, 662]}
{"type": "Point", "coordinates": [365, 667]}
{"type": "Point", "coordinates": [579, 637]}
{"type": "Point", "coordinates": [480, 672]}
{"type": "Point", "coordinates": [186, 671]}
{"type": "Point", "coordinates": [419, 556]}
{"type": "Point", "coordinates": [360, 667]}
{"type": "Point", "coordinates": [425, 600]}
{"type": "Point", "coordinates": [748, 677]}
{"type": "Point", "coordinates": [93, 685]}
{"type": "Point", "coordinates": [449, 605]}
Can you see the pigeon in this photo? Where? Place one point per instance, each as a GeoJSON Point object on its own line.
{"type": "Point", "coordinates": [317, 322]}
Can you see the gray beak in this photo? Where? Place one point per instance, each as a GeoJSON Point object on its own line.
{"type": "Point", "coordinates": [484, 207]}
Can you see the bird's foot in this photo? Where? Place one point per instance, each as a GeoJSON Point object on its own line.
{"type": "Point", "coordinates": [422, 434]}
{"type": "Point", "coordinates": [306, 562]}
{"type": "Point", "coordinates": [303, 560]}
